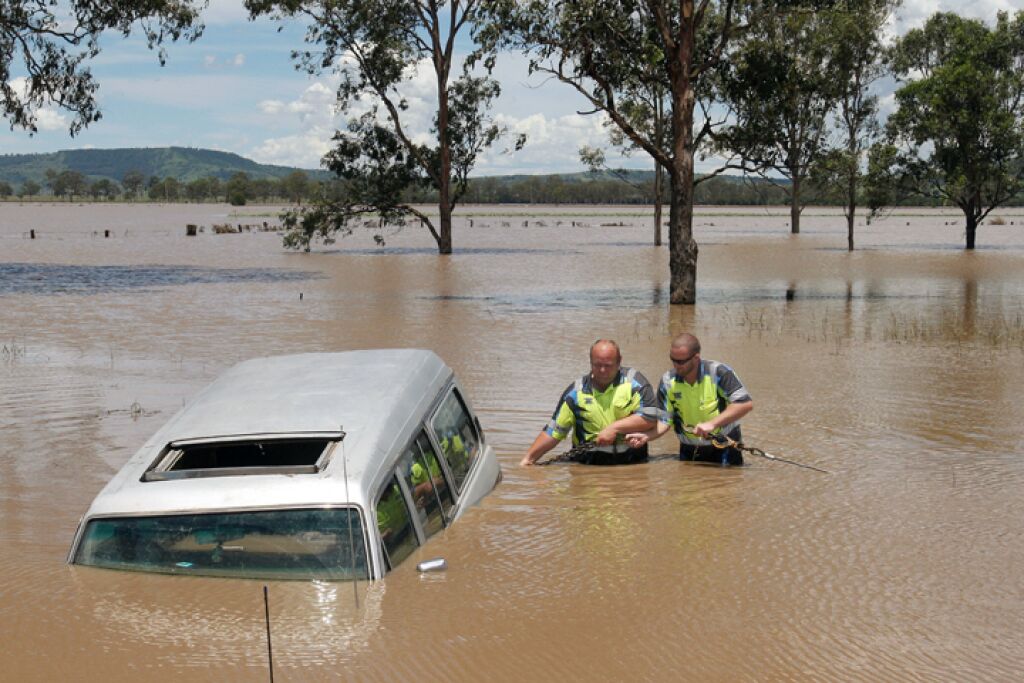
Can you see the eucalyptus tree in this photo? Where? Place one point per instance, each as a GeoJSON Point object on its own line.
{"type": "Point", "coordinates": [858, 62]}
{"type": "Point", "coordinates": [29, 188]}
{"type": "Point", "coordinates": [602, 47]}
{"type": "Point", "coordinates": [132, 182]}
{"type": "Point", "coordinates": [45, 47]}
{"type": "Point", "coordinates": [957, 134]}
{"type": "Point", "coordinates": [377, 47]}
{"type": "Point", "coordinates": [642, 103]}
{"type": "Point", "coordinates": [780, 88]}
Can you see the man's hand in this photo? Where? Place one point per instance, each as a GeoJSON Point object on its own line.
{"type": "Point", "coordinates": [637, 439]}
{"type": "Point", "coordinates": [704, 428]}
{"type": "Point", "coordinates": [606, 436]}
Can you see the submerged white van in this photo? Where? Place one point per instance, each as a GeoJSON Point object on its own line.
{"type": "Point", "coordinates": [332, 466]}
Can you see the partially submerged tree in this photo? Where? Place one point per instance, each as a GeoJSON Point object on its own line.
{"type": "Point", "coordinates": [858, 62]}
{"type": "Point", "coordinates": [780, 87]}
{"type": "Point", "coordinates": [599, 47]}
{"type": "Point", "coordinates": [957, 134]}
{"type": "Point", "coordinates": [45, 47]}
{"type": "Point", "coordinates": [646, 109]}
{"type": "Point", "coordinates": [376, 47]}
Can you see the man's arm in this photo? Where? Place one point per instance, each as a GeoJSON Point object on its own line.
{"type": "Point", "coordinates": [633, 423]}
{"type": "Point", "coordinates": [561, 424]}
{"type": "Point", "coordinates": [541, 445]}
{"type": "Point", "coordinates": [732, 413]}
{"type": "Point", "coordinates": [733, 391]}
{"type": "Point", "coordinates": [638, 439]}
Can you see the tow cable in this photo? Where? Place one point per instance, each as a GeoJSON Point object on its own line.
{"type": "Point", "coordinates": [722, 441]}
{"type": "Point", "coordinates": [717, 440]}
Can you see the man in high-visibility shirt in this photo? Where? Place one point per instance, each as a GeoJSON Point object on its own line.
{"type": "Point", "coordinates": [602, 406]}
{"type": "Point", "coordinates": [699, 398]}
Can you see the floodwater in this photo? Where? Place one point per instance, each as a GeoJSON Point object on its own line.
{"type": "Point", "coordinates": [897, 368]}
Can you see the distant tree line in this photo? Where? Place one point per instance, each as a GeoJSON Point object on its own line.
{"type": "Point", "coordinates": [620, 187]}
{"type": "Point", "coordinates": [297, 187]}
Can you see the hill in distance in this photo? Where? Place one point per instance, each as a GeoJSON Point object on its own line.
{"type": "Point", "coordinates": [182, 163]}
{"type": "Point", "coordinates": [186, 164]}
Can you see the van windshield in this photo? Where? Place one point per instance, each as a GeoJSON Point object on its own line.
{"type": "Point", "coordinates": [323, 543]}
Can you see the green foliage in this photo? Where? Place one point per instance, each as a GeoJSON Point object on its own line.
{"type": "Point", "coordinates": [5, 189]}
{"type": "Point", "coordinates": [957, 134]}
{"type": "Point", "coordinates": [132, 182]}
{"type": "Point", "coordinates": [104, 189]}
{"type": "Point", "coordinates": [237, 189]}
{"type": "Point", "coordinates": [30, 188]}
{"type": "Point", "coordinates": [51, 44]}
{"type": "Point", "coordinates": [68, 183]}
{"type": "Point", "coordinates": [781, 86]}
{"type": "Point", "coordinates": [376, 46]}
{"type": "Point", "coordinates": [857, 61]}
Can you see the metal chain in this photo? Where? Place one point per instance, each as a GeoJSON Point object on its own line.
{"type": "Point", "coordinates": [573, 454]}
{"type": "Point", "coordinates": [723, 441]}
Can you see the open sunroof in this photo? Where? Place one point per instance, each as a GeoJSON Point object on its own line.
{"type": "Point", "coordinates": [241, 457]}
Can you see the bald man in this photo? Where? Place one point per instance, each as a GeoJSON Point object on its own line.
{"type": "Point", "coordinates": [601, 407]}
{"type": "Point", "coordinates": [699, 398]}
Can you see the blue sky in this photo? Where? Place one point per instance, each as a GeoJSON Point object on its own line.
{"type": "Point", "coordinates": [236, 90]}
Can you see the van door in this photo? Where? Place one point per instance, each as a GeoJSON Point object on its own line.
{"type": "Point", "coordinates": [420, 468]}
{"type": "Point", "coordinates": [456, 434]}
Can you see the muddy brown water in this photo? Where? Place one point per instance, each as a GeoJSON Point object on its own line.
{"type": "Point", "coordinates": [897, 368]}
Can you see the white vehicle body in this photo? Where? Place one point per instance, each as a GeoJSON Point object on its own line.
{"type": "Point", "coordinates": [295, 437]}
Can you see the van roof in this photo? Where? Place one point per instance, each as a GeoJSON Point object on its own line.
{"type": "Point", "coordinates": [375, 397]}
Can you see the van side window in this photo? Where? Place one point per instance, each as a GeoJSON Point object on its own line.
{"type": "Point", "coordinates": [456, 435]}
{"type": "Point", "coordinates": [440, 484]}
{"type": "Point", "coordinates": [396, 532]}
{"type": "Point", "coordinates": [423, 478]}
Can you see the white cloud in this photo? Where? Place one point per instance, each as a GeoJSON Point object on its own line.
{"type": "Point", "coordinates": [914, 13]}
{"type": "Point", "coordinates": [50, 119]}
{"type": "Point", "coordinates": [303, 150]}
{"type": "Point", "coordinates": [272, 107]}
{"type": "Point", "coordinates": [209, 61]}
{"type": "Point", "coordinates": [225, 12]}
{"type": "Point", "coordinates": [239, 59]}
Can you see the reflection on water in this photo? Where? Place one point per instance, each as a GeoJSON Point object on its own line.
{"type": "Point", "coordinates": [894, 367]}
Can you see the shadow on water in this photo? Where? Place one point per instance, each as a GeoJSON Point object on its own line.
{"type": "Point", "coordinates": [645, 297]}
{"type": "Point", "coordinates": [45, 278]}
{"type": "Point", "coordinates": [581, 299]}
{"type": "Point", "coordinates": [431, 251]}
{"type": "Point", "coordinates": [956, 247]}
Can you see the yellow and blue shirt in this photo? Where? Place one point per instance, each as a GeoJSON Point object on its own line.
{"type": "Point", "coordinates": [682, 404]}
{"type": "Point", "coordinates": [583, 411]}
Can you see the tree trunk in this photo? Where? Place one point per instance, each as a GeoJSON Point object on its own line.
{"type": "Point", "coordinates": [972, 228]}
{"type": "Point", "coordinates": [444, 190]}
{"type": "Point", "coordinates": [851, 210]}
{"type": "Point", "coordinates": [853, 172]}
{"type": "Point", "coordinates": [850, 217]}
{"type": "Point", "coordinates": [659, 122]}
{"type": "Point", "coordinates": [682, 248]}
{"type": "Point", "coordinates": [658, 199]}
{"type": "Point", "coordinates": [794, 206]}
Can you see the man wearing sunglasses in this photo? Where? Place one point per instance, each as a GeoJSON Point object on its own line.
{"type": "Point", "coordinates": [601, 407]}
{"type": "Point", "coordinates": [699, 399]}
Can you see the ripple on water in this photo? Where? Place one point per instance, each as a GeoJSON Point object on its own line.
{"type": "Point", "coordinates": [50, 279]}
